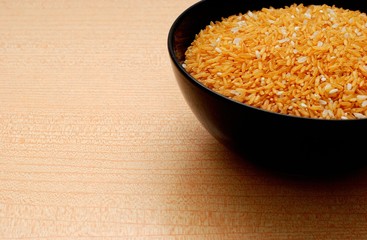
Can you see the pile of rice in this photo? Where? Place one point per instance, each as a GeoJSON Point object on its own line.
{"type": "Point", "coordinates": [308, 61]}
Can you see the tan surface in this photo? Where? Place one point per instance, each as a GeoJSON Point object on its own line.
{"type": "Point", "coordinates": [96, 141]}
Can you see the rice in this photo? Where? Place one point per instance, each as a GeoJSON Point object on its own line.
{"type": "Point", "coordinates": [307, 61]}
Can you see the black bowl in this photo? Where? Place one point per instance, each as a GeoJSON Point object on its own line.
{"type": "Point", "coordinates": [282, 142]}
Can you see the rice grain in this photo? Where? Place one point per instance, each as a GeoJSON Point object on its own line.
{"type": "Point", "coordinates": [281, 59]}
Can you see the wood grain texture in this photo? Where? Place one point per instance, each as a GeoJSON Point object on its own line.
{"type": "Point", "coordinates": [96, 141]}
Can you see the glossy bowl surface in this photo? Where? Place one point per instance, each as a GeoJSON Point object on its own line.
{"type": "Point", "coordinates": [283, 142]}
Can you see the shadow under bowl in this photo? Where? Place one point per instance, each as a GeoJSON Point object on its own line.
{"type": "Point", "coordinates": [281, 142]}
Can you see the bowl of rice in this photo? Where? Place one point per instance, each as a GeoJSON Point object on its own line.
{"type": "Point", "coordinates": [281, 83]}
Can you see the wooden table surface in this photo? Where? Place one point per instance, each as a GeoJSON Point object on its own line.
{"type": "Point", "coordinates": [97, 142]}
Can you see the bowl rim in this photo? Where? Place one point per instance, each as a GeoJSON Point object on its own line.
{"type": "Point", "coordinates": [170, 43]}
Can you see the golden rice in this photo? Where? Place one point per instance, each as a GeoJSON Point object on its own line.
{"type": "Point", "coordinates": [308, 61]}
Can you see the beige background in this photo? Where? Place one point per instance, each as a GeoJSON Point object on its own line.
{"type": "Point", "coordinates": [96, 141]}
